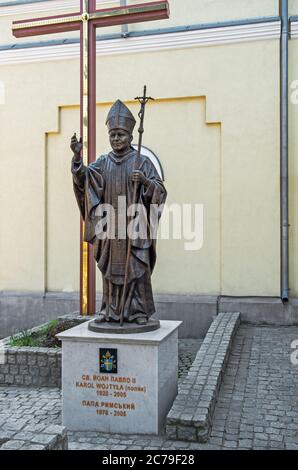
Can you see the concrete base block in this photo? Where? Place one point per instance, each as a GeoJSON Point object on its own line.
{"type": "Point", "coordinates": [119, 383]}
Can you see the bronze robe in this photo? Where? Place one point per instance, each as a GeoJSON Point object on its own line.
{"type": "Point", "coordinates": [101, 183]}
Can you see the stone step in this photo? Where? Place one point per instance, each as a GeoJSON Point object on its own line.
{"type": "Point", "coordinates": [33, 437]}
{"type": "Point", "coordinates": [190, 417]}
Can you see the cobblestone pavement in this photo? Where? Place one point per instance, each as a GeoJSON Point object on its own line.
{"type": "Point", "coordinates": [258, 402]}
{"type": "Point", "coordinates": [257, 405]}
{"type": "Point", "coordinates": [187, 351]}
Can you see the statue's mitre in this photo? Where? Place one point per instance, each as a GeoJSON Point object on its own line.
{"type": "Point", "coordinates": [120, 117]}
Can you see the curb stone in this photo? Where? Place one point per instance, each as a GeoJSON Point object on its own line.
{"type": "Point", "coordinates": [190, 417]}
{"type": "Point", "coordinates": [52, 437]}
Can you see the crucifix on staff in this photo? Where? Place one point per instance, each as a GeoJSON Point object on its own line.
{"type": "Point", "coordinates": [117, 301]}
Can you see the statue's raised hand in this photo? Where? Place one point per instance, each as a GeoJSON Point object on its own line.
{"type": "Point", "coordinates": [76, 146]}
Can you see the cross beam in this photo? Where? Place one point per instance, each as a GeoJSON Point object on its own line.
{"type": "Point", "coordinates": [86, 21]}
{"type": "Point", "coordinates": [100, 18]}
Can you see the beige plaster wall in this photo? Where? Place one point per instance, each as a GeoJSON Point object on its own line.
{"type": "Point", "coordinates": [222, 152]}
{"type": "Point", "coordinates": [293, 167]}
{"type": "Point", "coordinates": [183, 12]}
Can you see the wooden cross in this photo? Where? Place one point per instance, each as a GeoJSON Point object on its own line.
{"type": "Point", "coordinates": [86, 21]}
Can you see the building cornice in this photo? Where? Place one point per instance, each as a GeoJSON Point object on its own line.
{"type": "Point", "coordinates": [294, 27]}
{"type": "Point", "coordinates": [147, 41]}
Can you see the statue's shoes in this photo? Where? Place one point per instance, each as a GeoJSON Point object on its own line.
{"type": "Point", "coordinates": [100, 319]}
{"type": "Point", "coordinates": [141, 321]}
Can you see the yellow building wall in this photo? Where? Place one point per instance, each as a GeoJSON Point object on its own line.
{"type": "Point", "coordinates": [183, 12]}
{"type": "Point", "coordinates": [293, 7]}
{"type": "Point", "coordinates": [293, 168]}
{"type": "Point", "coordinates": [211, 11]}
{"type": "Point", "coordinates": [204, 158]}
{"type": "Point", "coordinates": [221, 151]}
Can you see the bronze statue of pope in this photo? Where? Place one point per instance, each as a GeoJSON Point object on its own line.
{"type": "Point", "coordinates": [110, 179]}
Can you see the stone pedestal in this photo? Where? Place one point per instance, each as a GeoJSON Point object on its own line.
{"type": "Point", "coordinates": [119, 383]}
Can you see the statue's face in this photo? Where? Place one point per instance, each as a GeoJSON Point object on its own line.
{"type": "Point", "coordinates": [120, 140]}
